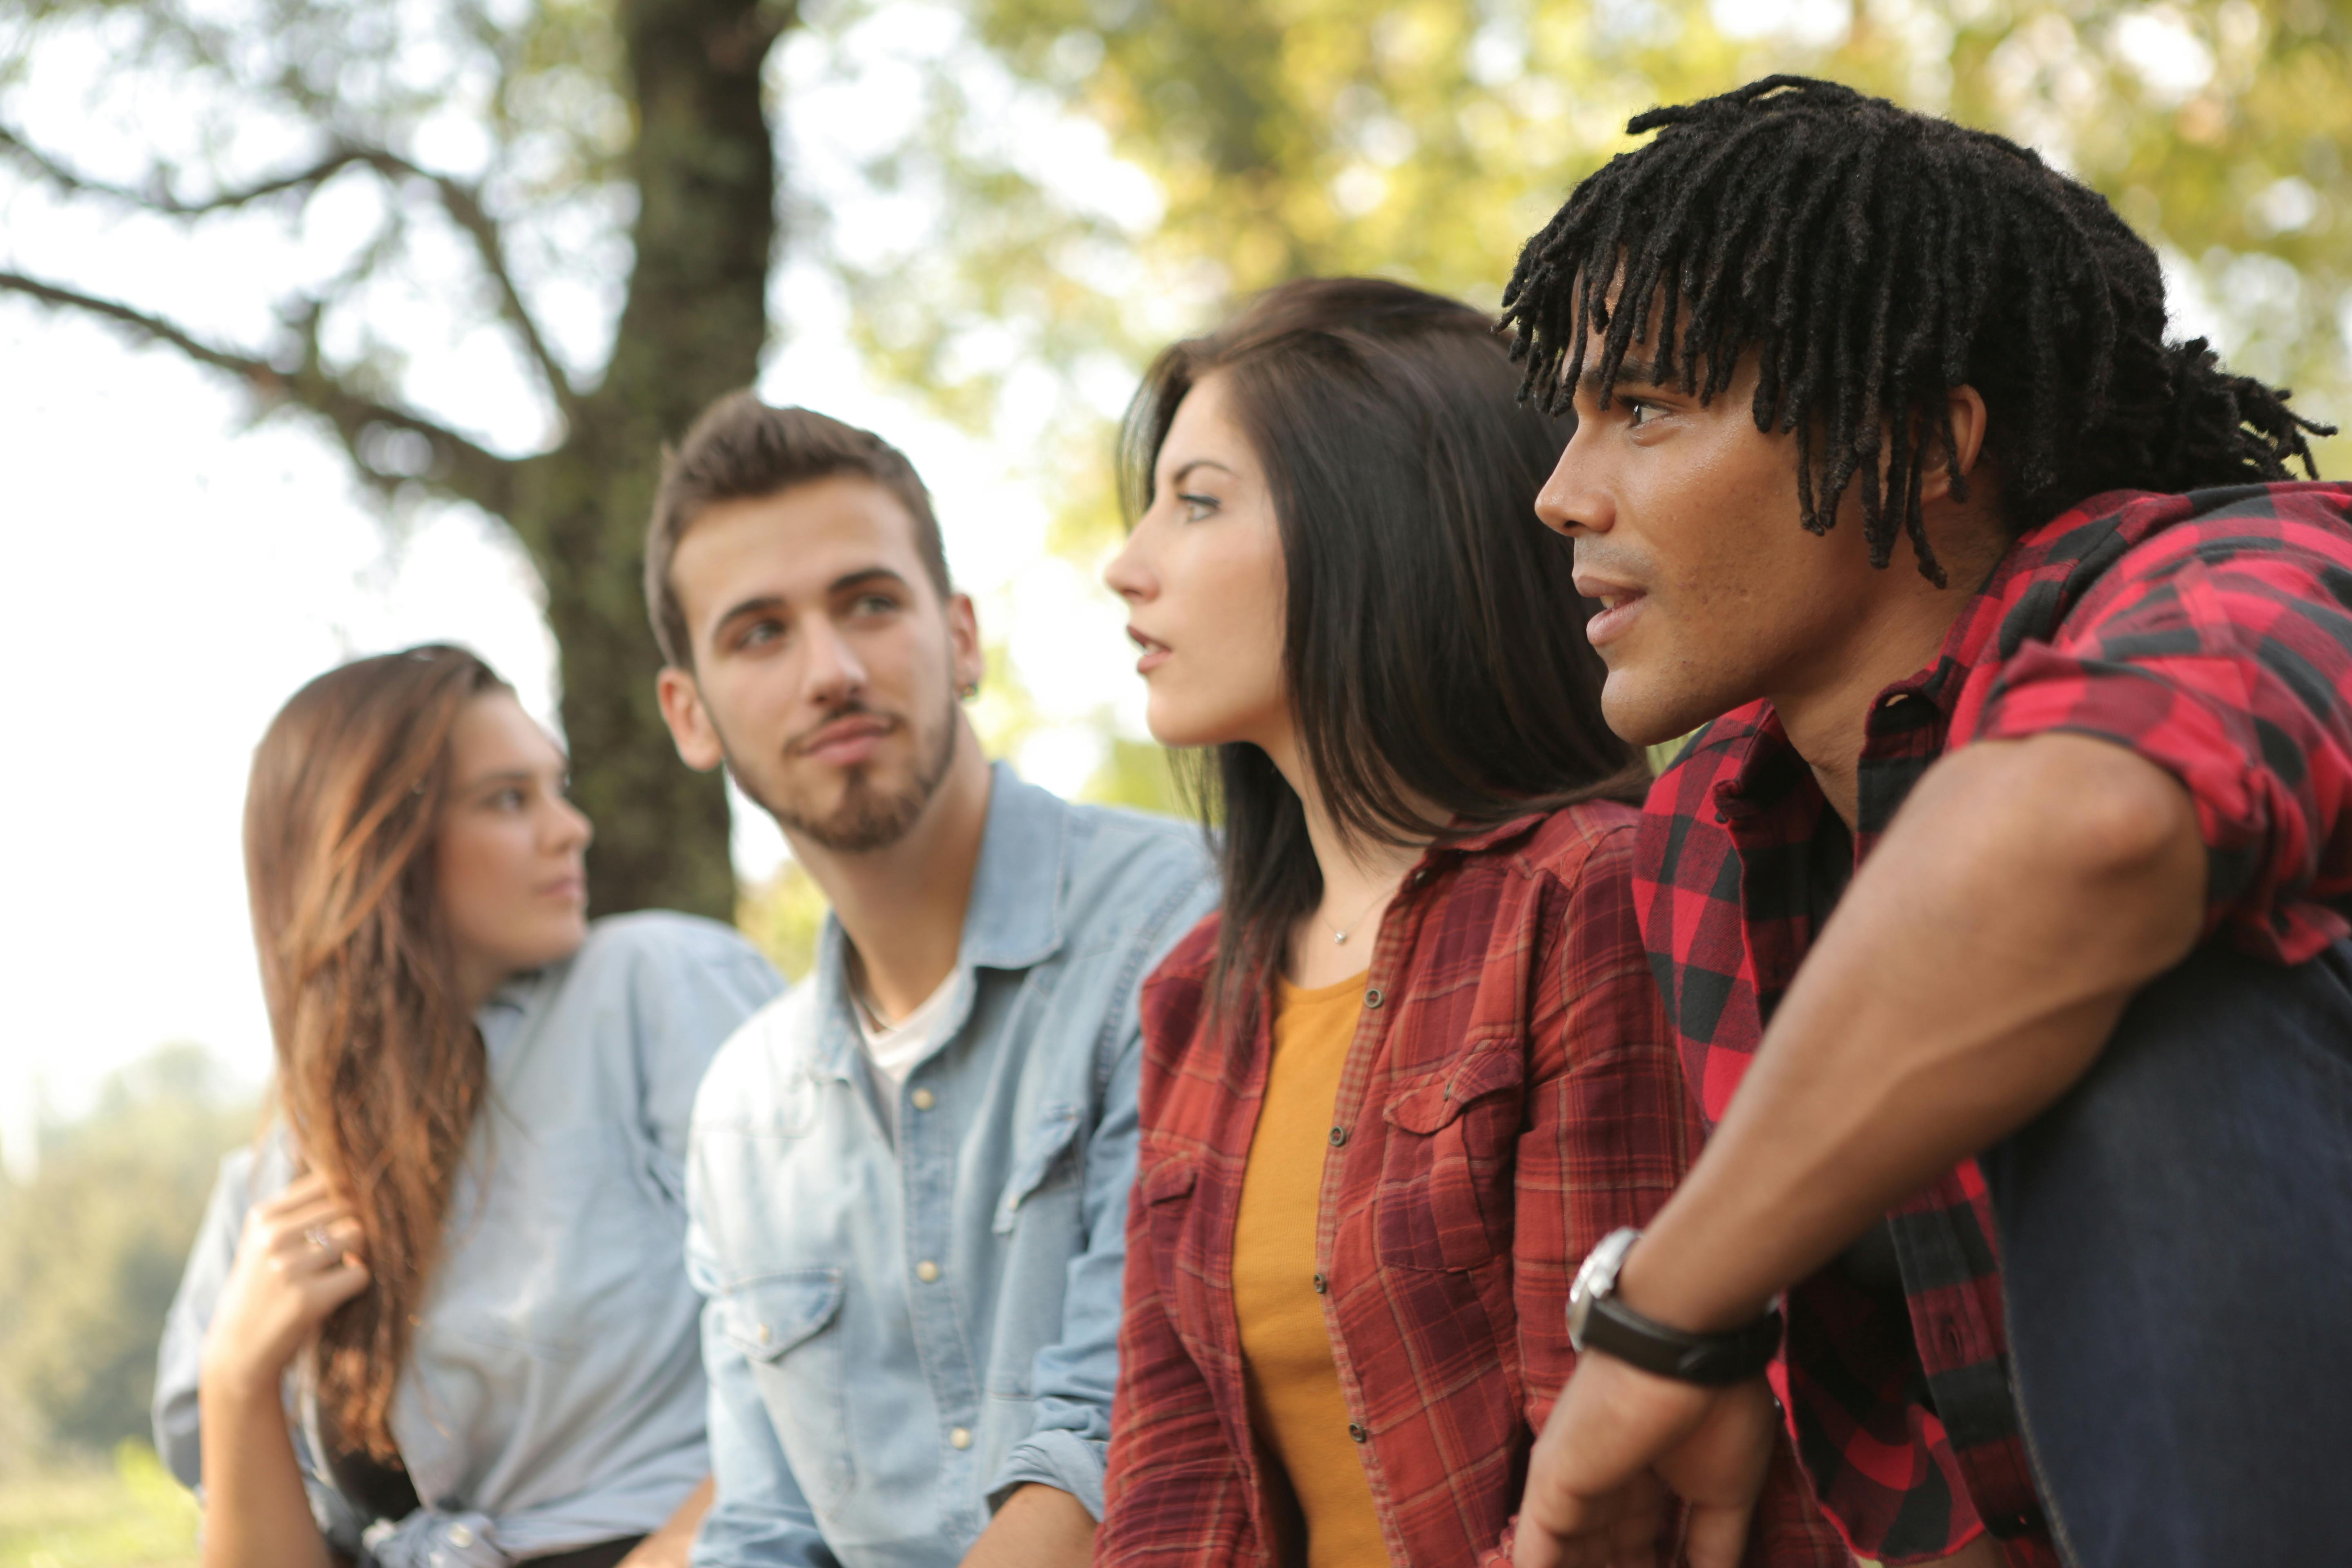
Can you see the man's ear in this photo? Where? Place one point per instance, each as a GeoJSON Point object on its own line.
{"type": "Point", "coordinates": [963, 641]}
{"type": "Point", "coordinates": [689, 722]}
{"type": "Point", "coordinates": [1965, 406]}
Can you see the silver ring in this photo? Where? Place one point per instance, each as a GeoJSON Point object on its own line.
{"type": "Point", "coordinates": [317, 1236]}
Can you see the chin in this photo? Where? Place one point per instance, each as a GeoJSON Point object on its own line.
{"type": "Point", "coordinates": [1642, 714]}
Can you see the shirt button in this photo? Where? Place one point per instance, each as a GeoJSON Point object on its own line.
{"type": "Point", "coordinates": [765, 1333]}
{"type": "Point", "coordinates": [1372, 998]}
{"type": "Point", "coordinates": [923, 1099]}
{"type": "Point", "coordinates": [1321, 1285]}
{"type": "Point", "coordinates": [1356, 1432]}
{"type": "Point", "coordinates": [959, 1438]}
{"type": "Point", "coordinates": [928, 1271]}
{"type": "Point", "coordinates": [1339, 1136]}
{"type": "Point", "coordinates": [459, 1536]}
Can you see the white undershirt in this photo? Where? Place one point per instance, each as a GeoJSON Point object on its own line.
{"type": "Point", "coordinates": [893, 1049]}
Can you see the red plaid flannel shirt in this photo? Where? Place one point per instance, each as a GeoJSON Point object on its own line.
{"type": "Point", "coordinates": [2210, 632]}
{"type": "Point", "coordinates": [1510, 1097]}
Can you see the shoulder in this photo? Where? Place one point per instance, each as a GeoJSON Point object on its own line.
{"type": "Point", "coordinates": [1591, 838]}
{"type": "Point", "coordinates": [662, 939]}
{"type": "Point", "coordinates": [763, 1054]}
{"type": "Point", "coordinates": [1113, 842]}
{"type": "Point", "coordinates": [1133, 876]}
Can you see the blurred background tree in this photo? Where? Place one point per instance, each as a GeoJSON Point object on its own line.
{"type": "Point", "coordinates": [92, 1248]}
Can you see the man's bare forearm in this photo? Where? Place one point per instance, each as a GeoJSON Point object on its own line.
{"type": "Point", "coordinates": [1038, 1527]}
{"type": "Point", "coordinates": [1972, 973]}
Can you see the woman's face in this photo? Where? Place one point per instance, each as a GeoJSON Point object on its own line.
{"type": "Point", "coordinates": [509, 855]}
{"type": "Point", "coordinates": [1202, 578]}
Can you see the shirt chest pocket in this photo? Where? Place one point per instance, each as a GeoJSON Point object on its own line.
{"type": "Point", "coordinates": [780, 1322]}
{"type": "Point", "coordinates": [1445, 1197]}
{"type": "Point", "coordinates": [1040, 1169]}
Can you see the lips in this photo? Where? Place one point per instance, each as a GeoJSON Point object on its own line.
{"type": "Point", "coordinates": [847, 741]}
{"type": "Point", "coordinates": [1155, 652]}
{"type": "Point", "coordinates": [1621, 603]}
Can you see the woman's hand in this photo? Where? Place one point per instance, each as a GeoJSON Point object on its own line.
{"type": "Point", "coordinates": [299, 1257]}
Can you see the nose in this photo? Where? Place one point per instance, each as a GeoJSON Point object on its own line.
{"type": "Point", "coordinates": [835, 675]}
{"type": "Point", "coordinates": [1574, 501]}
{"type": "Point", "coordinates": [1129, 574]}
{"type": "Point", "coordinates": [570, 830]}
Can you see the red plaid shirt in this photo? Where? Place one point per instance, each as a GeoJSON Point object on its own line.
{"type": "Point", "coordinates": [2210, 632]}
{"type": "Point", "coordinates": [1509, 1098]}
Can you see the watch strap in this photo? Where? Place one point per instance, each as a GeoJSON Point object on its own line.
{"type": "Point", "coordinates": [1714, 1360]}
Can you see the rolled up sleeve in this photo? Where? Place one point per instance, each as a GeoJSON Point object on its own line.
{"type": "Point", "coordinates": [2221, 652]}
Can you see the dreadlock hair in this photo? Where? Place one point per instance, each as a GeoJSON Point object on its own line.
{"type": "Point", "coordinates": [1875, 259]}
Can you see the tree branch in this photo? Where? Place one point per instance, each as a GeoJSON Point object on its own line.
{"type": "Point", "coordinates": [460, 201]}
{"type": "Point", "coordinates": [460, 468]}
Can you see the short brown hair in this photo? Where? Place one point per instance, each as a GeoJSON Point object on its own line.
{"type": "Point", "coordinates": [741, 449]}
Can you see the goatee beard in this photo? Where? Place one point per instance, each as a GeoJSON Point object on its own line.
{"type": "Point", "coordinates": [867, 819]}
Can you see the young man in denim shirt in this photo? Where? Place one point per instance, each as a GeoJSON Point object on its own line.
{"type": "Point", "coordinates": [907, 1188]}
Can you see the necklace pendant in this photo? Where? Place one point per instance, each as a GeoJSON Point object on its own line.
{"type": "Point", "coordinates": [1340, 939]}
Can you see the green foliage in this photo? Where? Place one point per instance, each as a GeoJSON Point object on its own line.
{"type": "Point", "coordinates": [1425, 139]}
{"type": "Point", "coordinates": [88, 1513]}
{"type": "Point", "coordinates": [92, 1247]}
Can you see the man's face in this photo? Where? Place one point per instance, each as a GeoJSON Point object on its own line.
{"type": "Point", "coordinates": [1686, 528]}
{"type": "Point", "coordinates": [825, 663]}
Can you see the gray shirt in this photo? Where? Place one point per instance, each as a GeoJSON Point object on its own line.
{"type": "Point", "coordinates": [554, 1396]}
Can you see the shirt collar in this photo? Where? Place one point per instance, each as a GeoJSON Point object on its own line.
{"type": "Point", "coordinates": [1013, 920]}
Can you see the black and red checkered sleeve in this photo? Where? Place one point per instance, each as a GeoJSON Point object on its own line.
{"type": "Point", "coordinates": [2221, 649]}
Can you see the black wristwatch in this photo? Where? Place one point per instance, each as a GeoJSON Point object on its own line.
{"type": "Point", "coordinates": [1597, 1320]}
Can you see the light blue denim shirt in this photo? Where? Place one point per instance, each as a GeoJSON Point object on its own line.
{"type": "Point", "coordinates": [899, 1333]}
{"type": "Point", "coordinates": [554, 1396]}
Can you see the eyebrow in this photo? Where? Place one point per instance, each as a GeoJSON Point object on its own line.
{"type": "Point", "coordinates": [1178, 477]}
{"type": "Point", "coordinates": [1640, 371]}
{"type": "Point", "coordinates": [509, 775]}
{"type": "Point", "coordinates": [764, 603]}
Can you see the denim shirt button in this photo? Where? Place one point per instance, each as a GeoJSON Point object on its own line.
{"type": "Point", "coordinates": [460, 1536]}
{"type": "Point", "coordinates": [923, 1099]}
{"type": "Point", "coordinates": [928, 1272]}
{"type": "Point", "coordinates": [764, 1333]}
{"type": "Point", "coordinates": [959, 1438]}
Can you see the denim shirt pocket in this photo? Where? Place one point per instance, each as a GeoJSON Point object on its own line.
{"type": "Point", "coordinates": [1034, 1161]}
{"type": "Point", "coordinates": [1445, 1168]}
{"type": "Point", "coordinates": [779, 1321]}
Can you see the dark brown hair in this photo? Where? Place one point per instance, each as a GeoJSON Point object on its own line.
{"type": "Point", "coordinates": [741, 449]}
{"type": "Point", "coordinates": [1434, 643]}
{"type": "Point", "coordinates": [380, 1068]}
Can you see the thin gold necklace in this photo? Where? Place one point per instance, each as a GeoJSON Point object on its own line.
{"type": "Point", "coordinates": [1339, 935]}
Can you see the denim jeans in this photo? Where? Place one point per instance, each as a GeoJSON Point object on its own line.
{"type": "Point", "coordinates": [2177, 1240]}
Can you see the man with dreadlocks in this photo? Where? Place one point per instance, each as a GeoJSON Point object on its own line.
{"type": "Point", "coordinates": [2045, 1133]}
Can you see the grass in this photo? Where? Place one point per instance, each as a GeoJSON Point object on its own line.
{"type": "Point", "coordinates": [130, 1513]}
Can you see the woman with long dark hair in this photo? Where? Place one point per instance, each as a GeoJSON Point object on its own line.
{"type": "Point", "coordinates": [437, 1315]}
{"type": "Point", "coordinates": [1417, 1068]}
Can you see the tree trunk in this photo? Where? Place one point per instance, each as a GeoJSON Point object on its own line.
{"type": "Point", "coordinates": [692, 328]}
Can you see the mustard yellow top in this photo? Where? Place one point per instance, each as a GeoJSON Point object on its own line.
{"type": "Point", "coordinates": [1296, 1405]}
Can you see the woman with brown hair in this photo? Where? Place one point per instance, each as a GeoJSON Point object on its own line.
{"type": "Point", "coordinates": [437, 1315]}
{"type": "Point", "coordinates": [1416, 1069]}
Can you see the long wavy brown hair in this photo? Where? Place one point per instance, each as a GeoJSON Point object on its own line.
{"type": "Point", "coordinates": [380, 1068]}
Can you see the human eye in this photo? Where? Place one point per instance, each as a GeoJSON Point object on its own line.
{"type": "Point", "coordinates": [872, 603]}
{"type": "Point", "coordinates": [1196, 506]}
{"type": "Point", "coordinates": [1639, 411]}
{"type": "Point", "coordinates": [759, 633]}
{"type": "Point", "coordinates": [507, 797]}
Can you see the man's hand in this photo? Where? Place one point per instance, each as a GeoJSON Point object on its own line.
{"type": "Point", "coordinates": [1620, 1444]}
{"type": "Point", "coordinates": [1038, 1527]}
